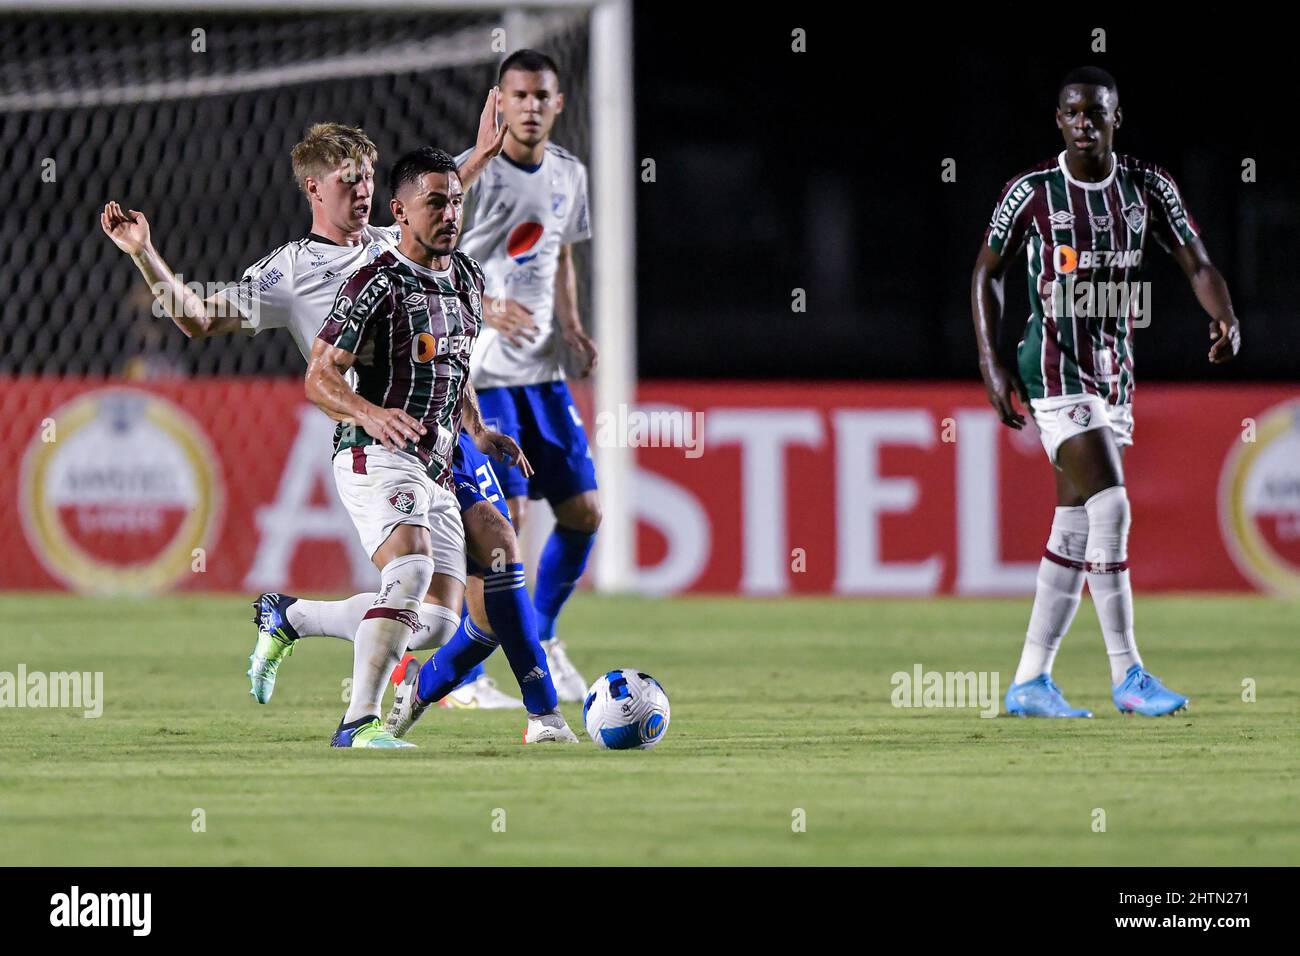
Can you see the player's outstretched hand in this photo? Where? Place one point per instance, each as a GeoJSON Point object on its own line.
{"type": "Point", "coordinates": [581, 345]}
{"type": "Point", "coordinates": [1000, 385]}
{"type": "Point", "coordinates": [503, 448]}
{"type": "Point", "coordinates": [1225, 340]}
{"type": "Point", "coordinates": [511, 319]}
{"type": "Point", "coordinates": [129, 231]}
{"type": "Point", "coordinates": [490, 136]}
{"type": "Point", "coordinates": [393, 427]}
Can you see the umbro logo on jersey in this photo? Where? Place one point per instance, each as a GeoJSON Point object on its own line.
{"type": "Point", "coordinates": [403, 501]}
{"type": "Point", "coordinates": [415, 300]}
{"type": "Point", "coordinates": [1061, 219]}
{"type": "Point", "coordinates": [1136, 216]}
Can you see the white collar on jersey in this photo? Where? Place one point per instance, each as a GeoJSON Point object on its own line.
{"type": "Point", "coordinates": [422, 270]}
{"type": "Point", "coordinates": [1114, 165]}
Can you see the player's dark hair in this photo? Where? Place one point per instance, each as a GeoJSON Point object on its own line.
{"type": "Point", "coordinates": [411, 166]}
{"type": "Point", "coordinates": [1089, 76]}
{"type": "Point", "coordinates": [530, 61]}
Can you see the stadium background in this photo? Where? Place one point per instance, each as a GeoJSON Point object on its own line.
{"type": "Point", "coordinates": [847, 447]}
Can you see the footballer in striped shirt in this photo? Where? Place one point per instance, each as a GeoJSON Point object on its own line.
{"type": "Point", "coordinates": [1086, 220]}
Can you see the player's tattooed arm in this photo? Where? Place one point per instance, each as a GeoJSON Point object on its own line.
{"type": "Point", "coordinates": [329, 391]}
{"type": "Point", "coordinates": [1212, 292]}
{"type": "Point", "coordinates": [491, 443]}
{"type": "Point", "coordinates": [986, 299]}
{"type": "Point", "coordinates": [195, 316]}
{"type": "Point", "coordinates": [491, 137]}
{"type": "Point", "coordinates": [566, 313]}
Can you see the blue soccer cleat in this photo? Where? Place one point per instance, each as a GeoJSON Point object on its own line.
{"type": "Point", "coordinates": [1040, 698]}
{"type": "Point", "coordinates": [275, 640]}
{"type": "Point", "coordinates": [1142, 693]}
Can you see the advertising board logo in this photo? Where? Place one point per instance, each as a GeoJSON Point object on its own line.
{"type": "Point", "coordinates": [122, 496]}
{"type": "Point", "coordinates": [1259, 501]}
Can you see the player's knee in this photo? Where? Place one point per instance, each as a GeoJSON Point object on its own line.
{"type": "Point", "coordinates": [1109, 516]}
{"type": "Point", "coordinates": [582, 515]}
{"type": "Point", "coordinates": [405, 580]}
{"type": "Point", "coordinates": [491, 537]}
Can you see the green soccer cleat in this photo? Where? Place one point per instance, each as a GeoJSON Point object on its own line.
{"type": "Point", "coordinates": [275, 640]}
{"type": "Point", "coordinates": [369, 734]}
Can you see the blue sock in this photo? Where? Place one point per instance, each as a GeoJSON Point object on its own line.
{"type": "Point", "coordinates": [563, 560]}
{"type": "Point", "coordinates": [478, 670]}
{"type": "Point", "coordinates": [510, 613]}
{"type": "Point", "coordinates": [440, 674]}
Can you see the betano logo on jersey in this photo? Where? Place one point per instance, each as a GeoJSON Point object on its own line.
{"type": "Point", "coordinates": [1065, 259]}
{"type": "Point", "coordinates": [524, 242]}
{"type": "Point", "coordinates": [122, 496]}
{"type": "Point", "coordinates": [426, 347]}
{"type": "Point", "coordinates": [1259, 501]}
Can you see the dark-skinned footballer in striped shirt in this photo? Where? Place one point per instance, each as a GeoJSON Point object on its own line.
{"type": "Point", "coordinates": [1086, 219]}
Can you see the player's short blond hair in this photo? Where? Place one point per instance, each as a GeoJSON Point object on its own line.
{"type": "Point", "coordinates": [325, 147]}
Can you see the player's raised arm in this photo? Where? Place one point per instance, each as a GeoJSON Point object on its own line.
{"type": "Point", "coordinates": [329, 391]}
{"type": "Point", "coordinates": [1212, 292]}
{"type": "Point", "coordinates": [491, 137]}
{"type": "Point", "coordinates": [566, 312]}
{"type": "Point", "coordinates": [196, 317]}
{"type": "Point", "coordinates": [986, 299]}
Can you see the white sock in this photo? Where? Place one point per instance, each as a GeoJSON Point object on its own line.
{"type": "Point", "coordinates": [342, 618]}
{"type": "Point", "coordinates": [385, 630]}
{"type": "Point", "coordinates": [437, 625]}
{"type": "Point", "coordinates": [1056, 597]}
{"type": "Point", "coordinates": [329, 618]}
{"type": "Point", "coordinates": [1108, 577]}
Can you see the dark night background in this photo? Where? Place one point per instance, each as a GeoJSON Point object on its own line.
{"type": "Point", "coordinates": [821, 170]}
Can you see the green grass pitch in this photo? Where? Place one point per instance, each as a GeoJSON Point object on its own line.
{"type": "Point", "coordinates": [778, 706]}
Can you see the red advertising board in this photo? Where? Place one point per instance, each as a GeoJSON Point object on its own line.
{"type": "Point", "coordinates": [762, 488]}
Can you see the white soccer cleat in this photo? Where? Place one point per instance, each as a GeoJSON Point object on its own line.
{"type": "Point", "coordinates": [569, 685]}
{"type": "Point", "coordinates": [406, 709]}
{"type": "Point", "coordinates": [482, 694]}
{"type": "Point", "coordinates": [549, 728]}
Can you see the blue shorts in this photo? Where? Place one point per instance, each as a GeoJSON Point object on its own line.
{"type": "Point", "coordinates": [475, 481]}
{"type": "Point", "coordinates": [474, 478]}
{"type": "Point", "coordinates": [545, 422]}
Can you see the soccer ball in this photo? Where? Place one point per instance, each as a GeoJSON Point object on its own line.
{"type": "Point", "coordinates": [626, 710]}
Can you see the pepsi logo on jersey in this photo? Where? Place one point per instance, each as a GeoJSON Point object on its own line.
{"type": "Point", "coordinates": [524, 242]}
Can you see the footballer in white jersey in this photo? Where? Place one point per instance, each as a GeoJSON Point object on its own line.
{"type": "Point", "coordinates": [518, 218]}
{"type": "Point", "coordinates": [522, 217]}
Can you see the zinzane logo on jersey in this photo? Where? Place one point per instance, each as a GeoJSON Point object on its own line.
{"type": "Point", "coordinates": [426, 347]}
{"type": "Point", "coordinates": [1007, 212]}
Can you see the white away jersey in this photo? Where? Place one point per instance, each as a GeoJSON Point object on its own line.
{"type": "Point", "coordinates": [294, 287]}
{"type": "Point", "coordinates": [516, 220]}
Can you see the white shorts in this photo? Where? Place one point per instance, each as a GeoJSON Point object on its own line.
{"type": "Point", "coordinates": [1062, 417]}
{"type": "Point", "coordinates": [382, 489]}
